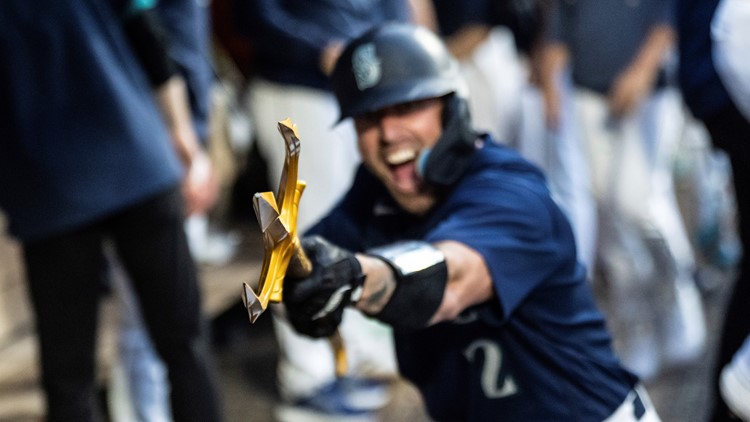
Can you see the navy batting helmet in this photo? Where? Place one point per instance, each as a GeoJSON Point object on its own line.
{"type": "Point", "coordinates": [391, 64]}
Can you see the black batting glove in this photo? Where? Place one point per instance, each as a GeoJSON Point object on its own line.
{"type": "Point", "coordinates": [315, 304]}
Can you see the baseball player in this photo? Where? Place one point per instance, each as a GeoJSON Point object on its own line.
{"type": "Point", "coordinates": [455, 242]}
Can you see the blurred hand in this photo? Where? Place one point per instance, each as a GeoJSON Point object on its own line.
{"type": "Point", "coordinates": [200, 187]}
{"type": "Point", "coordinates": [464, 42]}
{"type": "Point", "coordinates": [629, 90]}
{"type": "Point", "coordinates": [330, 55]}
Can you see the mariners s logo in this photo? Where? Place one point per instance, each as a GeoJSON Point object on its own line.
{"type": "Point", "coordinates": [366, 66]}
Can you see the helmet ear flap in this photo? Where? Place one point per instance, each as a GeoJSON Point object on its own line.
{"type": "Point", "coordinates": [391, 64]}
{"type": "Point", "coordinates": [444, 164]}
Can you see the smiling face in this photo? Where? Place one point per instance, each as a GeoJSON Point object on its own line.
{"type": "Point", "coordinates": [390, 141]}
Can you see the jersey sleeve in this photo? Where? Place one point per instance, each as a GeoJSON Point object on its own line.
{"type": "Point", "coordinates": [665, 12]}
{"type": "Point", "coordinates": [516, 227]}
{"type": "Point", "coordinates": [149, 39]}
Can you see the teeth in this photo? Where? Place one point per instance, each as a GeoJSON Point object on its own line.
{"type": "Point", "coordinates": [401, 156]}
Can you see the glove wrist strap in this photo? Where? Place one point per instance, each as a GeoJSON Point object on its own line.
{"type": "Point", "coordinates": [421, 275]}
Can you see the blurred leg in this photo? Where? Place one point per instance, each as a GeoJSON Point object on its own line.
{"type": "Point", "coordinates": [65, 282]}
{"type": "Point", "coordinates": [496, 80]}
{"type": "Point", "coordinates": [152, 244]}
{"type": "Point", "coordinates": [681, 319]}
{"type": "Point", "coordinates": [730, 131]}
{"type": "Point", "coordinates": [570, 178]}
{"type": "Point", "coordinates": [621, 185]}
{"type": "Point", "coordinates": [144, 392]}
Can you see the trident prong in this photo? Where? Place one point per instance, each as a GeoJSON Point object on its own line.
{"type": "Point", "coordinates": [277, 217]}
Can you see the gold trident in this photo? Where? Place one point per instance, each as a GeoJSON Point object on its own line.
{"type": "Point", "coordinates": [282, 253]}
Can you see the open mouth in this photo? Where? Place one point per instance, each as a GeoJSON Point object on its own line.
{"type": "Point", "coordinates": [402, 164]}
{"type": "Point", "coordinates": [401, 156]}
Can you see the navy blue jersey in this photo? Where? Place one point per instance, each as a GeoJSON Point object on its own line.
{"type": "Point", "coordinates": [539, 351]}
{"type": "Point", "coordinates": [82, 136]}
{"type": "Point", "coordinates": [605, 36]}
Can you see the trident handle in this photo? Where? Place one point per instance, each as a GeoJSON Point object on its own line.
{"type": "Point", "coordinates": [300, 266]}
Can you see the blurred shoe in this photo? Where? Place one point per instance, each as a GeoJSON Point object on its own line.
{"type": "Point", "coordinates": [218, 249]}
{"type": "Point", "coordinates": [735, 390]}
{"type": "Point", "coordinates": [208, 246]}
{"type": "Point", "coordinates": [721, 247]}
{"type": "Point", "coordinates": [684, 330]}
{"type": "Point", "coordinates": [343, 400]}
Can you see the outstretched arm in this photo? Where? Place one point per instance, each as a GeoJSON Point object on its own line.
{"type": "Point", "coordinates": [409, 285]}
{"type": "Point", "coordinates": [468, 282]}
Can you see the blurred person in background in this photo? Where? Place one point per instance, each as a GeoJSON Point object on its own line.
{"type": "Point", "coordinates": [139, 385]}
{"type": "Point", "coordinates": [606, 83]}
{"type": "Point", "coordinates": [454, 240]}
{"type": "Point", "coordinates": [87, 159]}
{"type": "Point", "coordinates": [490, 51]}
{"type": "Point", "coordinates": [713, 75]}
